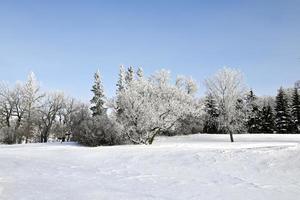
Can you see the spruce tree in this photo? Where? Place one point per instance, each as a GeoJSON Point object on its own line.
{"type": "Point", "coordinates": [253, 113]}
{"type": "Point", "coordinates": [98, 98]}
{"type": "Point", "coordinates": [296, 110]}
{"type": "Point", "coordinates": [129, 75]}
{"type": "Point", "coordinates": [121, 81]}
{"type": "Point", "coordinates": [240, 113]}
{"type": "Point", "coordinates": [140, 73]}
{"type": "Point", "coordinates": [121, 86]}
{"type": "Point", "coordinates": [282, 118]}
{"type": "Point", "coordinates": [267, 119]}
{"type": "Point", "coordinates": [211, 117]}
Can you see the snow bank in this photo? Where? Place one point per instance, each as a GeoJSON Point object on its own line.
{"type": "Point", "coordinates": [186, 167]}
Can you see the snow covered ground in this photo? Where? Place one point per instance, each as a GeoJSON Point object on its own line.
{"type": "Point", "coordinates": [186, 167]}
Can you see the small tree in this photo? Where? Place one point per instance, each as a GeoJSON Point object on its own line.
{"type": "Point", "coordinates": [227, 87]}
{"type": "Point", "coordinates": [98, 98]}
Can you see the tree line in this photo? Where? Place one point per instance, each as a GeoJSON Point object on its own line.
{"type": "Point", "coordinates": [143, 108]}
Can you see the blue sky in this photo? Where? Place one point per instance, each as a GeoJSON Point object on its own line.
{"type": "Point", "coordinates": [64, 42]}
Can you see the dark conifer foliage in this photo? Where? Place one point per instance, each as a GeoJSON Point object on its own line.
{"type": "Point", "coordinates": [267, 120]}
{"type": "Point", "coordinates": [296, 111]}
{"type": "Point", "coordinates": [253, 113]}
{"type": "Point", "coordinates": [129, 75]}
{"type": "Point", "coordinates": [282, 118]}
{"type": "Point", "coordinates": [212, 113]}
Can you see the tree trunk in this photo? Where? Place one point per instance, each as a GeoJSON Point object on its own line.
{"type": "Point", "coordinates": [7, 121]}
{"type": "Point", "coordinates": [151, 139]}
{"type": "Point", "coordinates": [231, 137]}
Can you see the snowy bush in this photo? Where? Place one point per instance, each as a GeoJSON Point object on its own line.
{"type": "Point", "coordinates": [7, 135]}
{"type": "Point", "coordinates": [97, 131]}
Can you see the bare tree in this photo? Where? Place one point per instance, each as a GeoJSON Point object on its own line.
{"type": "Point", "coordinates": [53, 104]}
{"type": "Point", "coordinates": [64, 122]}
{"type": "Point", "coordinates": [227, 86]}
{"type": "Point", "coordinates": [7, 104]}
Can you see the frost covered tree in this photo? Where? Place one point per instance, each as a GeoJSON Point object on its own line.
{"type": "Point", "coordinates": [19, 104]}
{"type": "Point", "coordinates": [187, 84]}
{"type": "Point", "coordinates": [191, 86]}
{"type": "Point", "coordinates": [98, 99]}
{"type": "Point", "coordinates": [227, 86]}
{"type": "Point", "coordinates": [7, 105]}
{"type": "Point", "coordinates": [296, 110]}
{"type": "Point", "coordinates": [282, 118]}
{"type": "Point", "coordinates": [51, 106]}
{"type": "Point", "coordinates": [140, 73]}
{"type": "Point", "coordinates": [122, 79]}
{"type": "Point", "coordinates": [32, 98]}
{"type": "Point", "coordinates": [121, 86]}
{"type": "Point", "coordinates": [63, 127]}
{"type": "Point", "coordinates": [211, 115]}
{"type": "Point", "coordinates": [129, 75]}
{"type": "Point", "coordinates": [152, 107]}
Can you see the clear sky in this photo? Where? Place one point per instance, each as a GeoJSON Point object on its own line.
{"type": "Point", "coordinates": [64, 42]}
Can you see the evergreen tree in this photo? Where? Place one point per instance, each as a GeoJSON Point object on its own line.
{"type": "Point", "coordinates": [267, 119]}
{"type": "Point", "coordinates": [98, 99]}
{"type": "Point", "coordinates": [253, 113]}
{"type": "Point", "coordinates": [240, 113]}
{"type": "Point", "coordinates": [140, 73]}
{"type": "Point", "coordinates": [121, 86]}
{"type": "Point", "coordinates": [121, 81]}
{"type": "Point", "coordinates": [129, 75]}
{"type": "Point", "coordinates": [211, 117]}
{"type": "Point", "coordinates": [282, 118]}
{"type": "Point", "coordinates": [296, 110]}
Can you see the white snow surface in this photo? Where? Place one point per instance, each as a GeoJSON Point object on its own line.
{"type": "Point", "coordinates": [194, 167]}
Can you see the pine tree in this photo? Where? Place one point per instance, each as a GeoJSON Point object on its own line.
{"type": "Point", "coordinates": [121, 81]}
{"type": "Point", "coordinates": [282, 118]}
{"type": "Point", "coordinates": [267, 119]}
{"type": "Point", "coordinates": [211, 117]}
{"type": "Point", "coordinates": [253, 113]}
{"type": "Point", "coordinates": [129, 75]}
{"type": "Point", "coordinates": [98, 99]}
{"type": "Point", "coordinates": [296, 111]}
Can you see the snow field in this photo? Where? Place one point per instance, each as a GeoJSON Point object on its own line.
{"type": "Point", "coordinates": [184, 167]}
